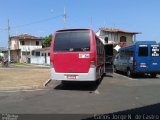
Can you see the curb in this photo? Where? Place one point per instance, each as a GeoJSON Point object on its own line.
{"type": "Point", "coordinates": [47, 82]}
{"type": "Point", "coordinates": [20, 88]}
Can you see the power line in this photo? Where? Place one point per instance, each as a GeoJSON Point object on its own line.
{"type": "Point", "coordinates": [32, 23]}
{"type": "Point", "coordinates": [37, 22]}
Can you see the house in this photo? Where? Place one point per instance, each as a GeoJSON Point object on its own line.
{"type": "Point", "coordinates": [21, 47]}
{"type": "Point", "coordinates": [41, 56]}
{"type": "Point", "coordinates": [116, 36]}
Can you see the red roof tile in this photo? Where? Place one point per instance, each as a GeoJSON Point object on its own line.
{"type": "Point", "coordinates": [25, 36]}
{"type": "Point", "coordinates": [117, 30]}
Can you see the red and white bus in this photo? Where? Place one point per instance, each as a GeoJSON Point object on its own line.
{"type": "Point", "coordinates": [76, 55]}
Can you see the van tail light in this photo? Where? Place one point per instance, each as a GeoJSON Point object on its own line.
{"type": "Point", "coordinates": [92, 64]}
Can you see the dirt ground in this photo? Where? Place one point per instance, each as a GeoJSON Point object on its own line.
{"type": "Point", "coordinates": [23, 78]}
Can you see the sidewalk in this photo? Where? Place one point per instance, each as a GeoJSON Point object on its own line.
{"type": "Point", "coordinates": [14, 65]}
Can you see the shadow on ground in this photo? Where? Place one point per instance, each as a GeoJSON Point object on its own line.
{"type": "Point", "coordinates": [138, 76]}
{"type": "Point", "coordinates": [150, 112]}
{"type": "Point", "coordinates": [145, 113]}
{"type": "Point", "coordinates": [78, 85]}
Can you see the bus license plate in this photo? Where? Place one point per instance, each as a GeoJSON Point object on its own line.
{"type": "Point", "coordinates": [72, 77]}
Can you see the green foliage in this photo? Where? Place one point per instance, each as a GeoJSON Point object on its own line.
{"type": "Point", "coordinates": [47, 41]}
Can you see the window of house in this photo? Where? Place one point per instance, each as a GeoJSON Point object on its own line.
{"type": "Point", "coordinates": [48, 54]}
{"type": "Point", "coordinates": [106, 39]}
{"type": "Point", "coordinates": [37, 53]}
{"type": "Point", "coordinates": [22, 43]}
{"type": "Point", "coordinates": [123, 39]}
{"type": "Point", "coordinates": [37, 42]}
{"type": "Point", "coordinates": [42, 54]}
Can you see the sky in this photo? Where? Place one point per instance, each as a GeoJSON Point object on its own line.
{"type": "Point", "coordinates": [43, 17]}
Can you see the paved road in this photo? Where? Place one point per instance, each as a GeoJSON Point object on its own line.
{"type": "Point", "coordinates": [114, 94]}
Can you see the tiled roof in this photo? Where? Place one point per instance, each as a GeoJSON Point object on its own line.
{"type": "Point", "coordinates": [25, 36]}
{"type": "Point", "coordinates": [118, 30]}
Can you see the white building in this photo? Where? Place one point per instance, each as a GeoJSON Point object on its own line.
{"type": "Point", "coordinates": [116, 36]}
{"type": "Point", "coordinates": [22, 45]}
{"type": "Point", "coordinates": [41, 56]}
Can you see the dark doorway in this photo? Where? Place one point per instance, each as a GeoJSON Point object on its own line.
{"type": "Point", "coordinates": [45, 58]}
{"type": "Point", "coordinates": [109, 58]}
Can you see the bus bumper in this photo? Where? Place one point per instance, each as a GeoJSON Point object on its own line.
{"type": "Point", "coordinates": [90, 76]}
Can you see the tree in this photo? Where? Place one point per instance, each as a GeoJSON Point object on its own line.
{"type": "Point", "coordinates": [47, 41]}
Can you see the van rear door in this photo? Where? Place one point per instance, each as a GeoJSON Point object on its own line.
{"type": "Point", "coordinates": [72, 51]}
{"type": "Point", "coordinates": [142, 58]}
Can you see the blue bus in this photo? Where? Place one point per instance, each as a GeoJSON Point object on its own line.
{"type": "Point", "coordinates": [142, 57]}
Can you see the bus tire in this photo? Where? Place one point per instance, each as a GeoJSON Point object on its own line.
{"type": "Point", "coordinates": [153, 75]}
{"type": "Point", "coordinates": [129, 73]}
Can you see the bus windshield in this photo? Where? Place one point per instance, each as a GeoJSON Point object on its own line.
{"type": "Point", "coordinates": [72, 41]}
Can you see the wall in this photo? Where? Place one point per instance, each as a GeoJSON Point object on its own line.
{"type": "Point", "coordinates": [129, 37]}
{"type": "Point", "coordinates": [14, 44]}
{"type": "Point", "coordinates": [32, 42]}
{"type": "Point", "coordinates": [41, 59]}
{"type": "Point", "coordinates": [15, 55]}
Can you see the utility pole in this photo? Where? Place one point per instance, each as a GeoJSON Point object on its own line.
{"type": "Point", "coordinates": [65, 17]}
{"type": "Point", "coordinates": [8, 28]}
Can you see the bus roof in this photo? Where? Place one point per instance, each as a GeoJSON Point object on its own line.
{"type": "Point", "coordinates": [72, 30]}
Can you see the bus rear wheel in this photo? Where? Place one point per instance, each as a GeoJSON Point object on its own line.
{"type": "Point", "coordinates": [153, 75]}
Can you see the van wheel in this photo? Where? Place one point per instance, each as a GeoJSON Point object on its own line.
{"type": "Point", "coordinates": [115, 69]}
{"type": "Point", "coordinates": [153, 75]}
{"type": "Point", "coordinates": [129, 73]}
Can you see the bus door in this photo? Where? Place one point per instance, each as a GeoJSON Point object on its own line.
{"type": "Point", "coordinates": [155, 58]}
{"type": "Point", "coordinates": [108, 58]}
{"type": "Point", "coordinates": [142, 58]}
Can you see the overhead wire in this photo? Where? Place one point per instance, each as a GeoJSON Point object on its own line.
{"type": "Point", "coordinates": [32, 23]}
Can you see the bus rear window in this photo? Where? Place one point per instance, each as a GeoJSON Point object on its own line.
{"type": "Point", "coordinates": [72, 41]}
{"type": "Point", "coordinates": [143, 51]}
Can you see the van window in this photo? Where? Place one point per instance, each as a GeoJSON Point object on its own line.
{"type": "Point", "coordinates": [72, 41]}
{"type": "Point", "coordinates": [143, 51]}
